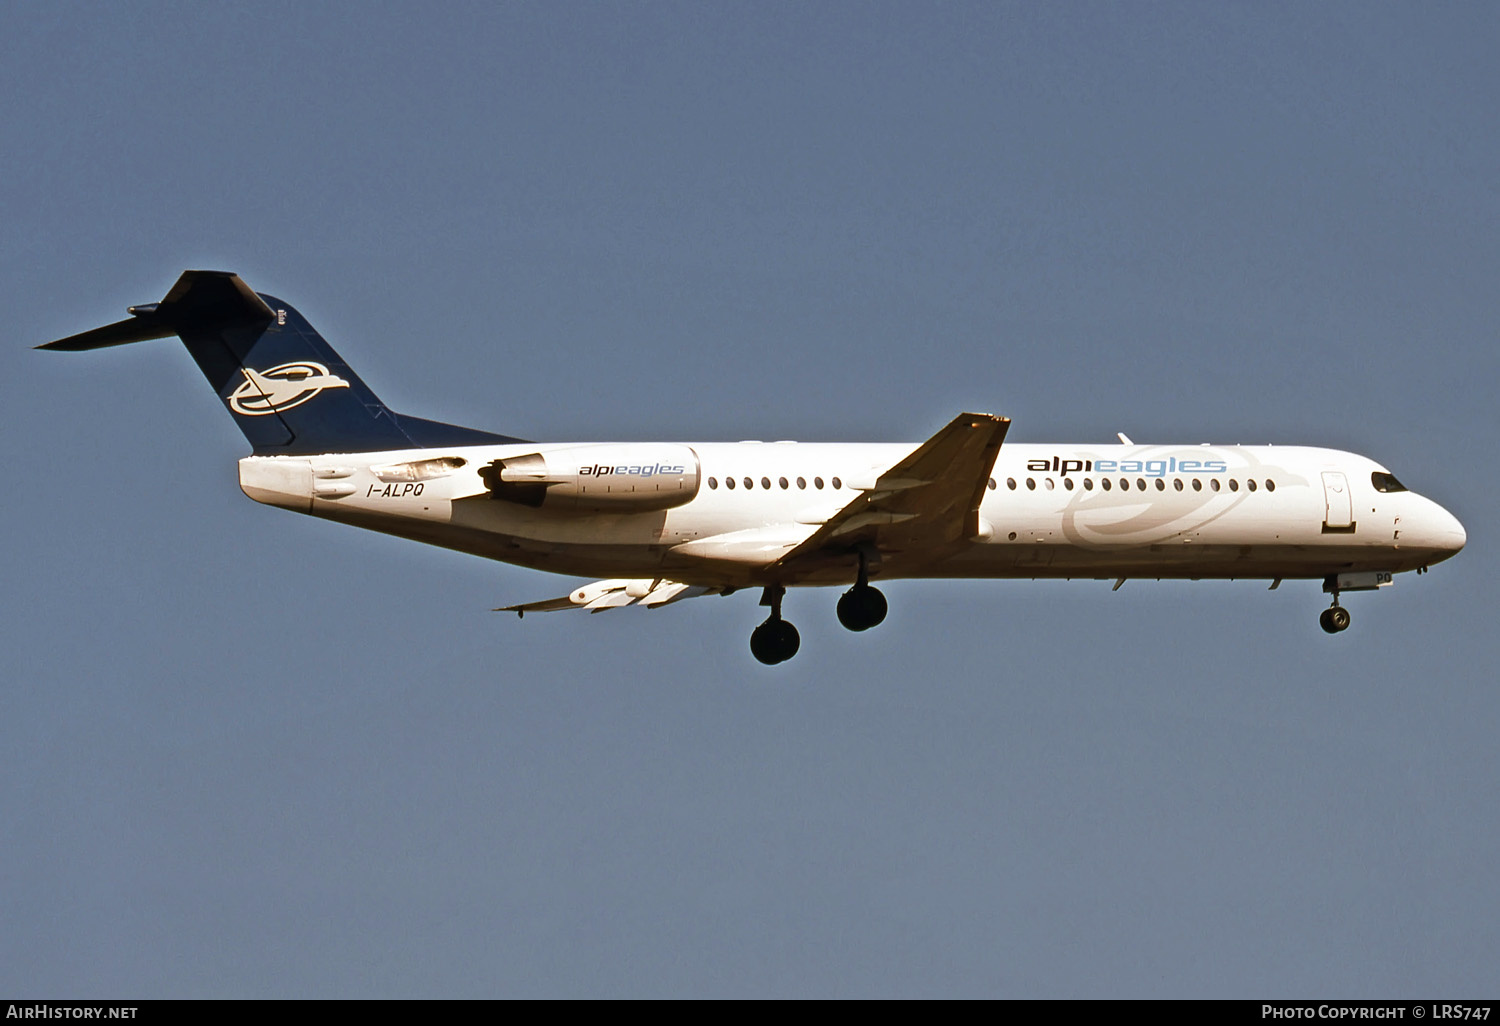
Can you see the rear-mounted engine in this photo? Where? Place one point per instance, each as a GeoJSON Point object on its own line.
{"type": "Point", "coordinates": [627, 478]}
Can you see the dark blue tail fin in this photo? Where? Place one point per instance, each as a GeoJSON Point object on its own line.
{"type": "Point", "coordinates": [286, 388]}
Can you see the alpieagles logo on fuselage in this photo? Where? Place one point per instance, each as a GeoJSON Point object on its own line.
{"type": "Point", "coordinates": [1151, 468]}
{"type": "Point", "coordinates": [281, 388]}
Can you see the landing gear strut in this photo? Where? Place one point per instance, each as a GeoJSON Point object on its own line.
{"type": "Point", "coordinates": [776, 640]}
{"type": "Point", "coordinates": [1336, 617]}
{"type": "Point", "coordinates": [862, 607]}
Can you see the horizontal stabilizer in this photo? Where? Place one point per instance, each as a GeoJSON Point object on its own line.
{"type": "Point", "coordinates": [136, 329]}
{"type": "Point", "coordinates": [200, 300]}
{"type": "Point", "coordinates": [615, 594]}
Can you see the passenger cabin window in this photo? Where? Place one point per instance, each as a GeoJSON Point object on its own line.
{"type": "Point", "coordinates": [1177, 483]}
{"type": "Point", "coordinates": [1031, 483]}
{"type": "Point", "coordinates": [729, 483]}
{"type": "Point", "coordinates": [1384, 482]}
{"type": "Point", "coordinates": [801, 482]}
{"type": "Point", "coordinates": [837, 483]}
{"type": "Point", "coordinates": [818, 483]}
{"type": "Point", "coordinates": [1270, 485]}
{"type": "Point", "coordinates": [1010, 483]}
{"type": "Point", "coordinates": [749, 483]}
{"type": "Point", "coordinates": [992, 484]}
{"type": "Point", "coordinates": [783, 484]}
{"type": "Point", "coordinates": [765, 482]}
{"type": "Point", "coordinates": [713, 482]}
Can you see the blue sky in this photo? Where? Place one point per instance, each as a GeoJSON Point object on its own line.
{"type": "Point", "coordinates": [245, 753]}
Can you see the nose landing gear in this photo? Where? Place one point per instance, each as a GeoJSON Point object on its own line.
{"type": "Point", "coordinates": [1334, 619]}
{"type": "Point", "coordinates": [775, 640]}
{"type": "Point", "coordinates": [1337, 618]}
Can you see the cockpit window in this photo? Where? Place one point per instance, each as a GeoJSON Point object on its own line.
{"type": "Point", "coordinates": [1384, 482]}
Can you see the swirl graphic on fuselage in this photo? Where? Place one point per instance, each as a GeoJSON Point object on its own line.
{"type": "Point", "coordinates": [1132, 516]}
{"type": "Point", "coordinates": [281, 388]}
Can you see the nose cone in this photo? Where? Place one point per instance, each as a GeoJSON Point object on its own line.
{"type": "Point", "coordinates": [1454, 534]}
{"type": "Point", "coordinates": [1440, 532]}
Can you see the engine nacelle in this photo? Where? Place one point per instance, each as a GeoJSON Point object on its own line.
{"type": "Point", "coordinates": [625, 478]}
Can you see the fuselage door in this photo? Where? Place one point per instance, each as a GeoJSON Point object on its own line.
{"type": "Point", "coordinates": [1339, 515]}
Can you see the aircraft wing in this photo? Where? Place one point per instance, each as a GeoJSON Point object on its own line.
{"type": "Point", "coordinates": [615, 593]}
{"type": "Point", "coordinates": [924, 507]}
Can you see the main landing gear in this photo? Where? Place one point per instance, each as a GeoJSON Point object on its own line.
{"type": "Point", "coordinates": [862, 607]}
{"type": "Point", "coordinates": [776, 640]}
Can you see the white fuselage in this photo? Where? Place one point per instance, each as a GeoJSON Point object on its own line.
{"type": "Point", "coordinates": [1181, 511]}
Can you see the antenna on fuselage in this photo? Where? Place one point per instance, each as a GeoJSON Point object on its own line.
{"type": "Point", "coordinates": [1124, 440]}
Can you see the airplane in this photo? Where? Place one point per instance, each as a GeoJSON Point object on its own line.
{"type": "Point", "coordinates": [664, 522]}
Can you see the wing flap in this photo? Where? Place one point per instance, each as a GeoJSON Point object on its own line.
{"type": "Point", "coordinates": [754, 546]}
